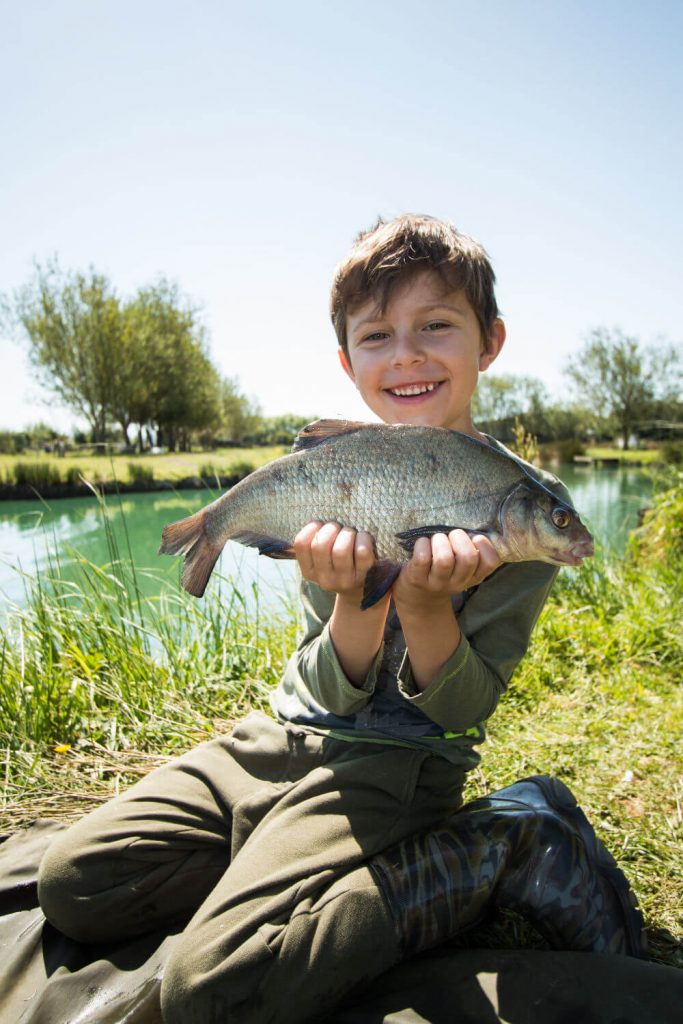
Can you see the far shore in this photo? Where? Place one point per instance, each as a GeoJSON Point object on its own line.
{"type": "Point", "coordinates": [27, 492]}
{"type": "Point", "coordinates": [35, 475]}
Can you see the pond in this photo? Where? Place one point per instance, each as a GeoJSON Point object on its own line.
{"type": "Point", "coordinates": [33, 532]}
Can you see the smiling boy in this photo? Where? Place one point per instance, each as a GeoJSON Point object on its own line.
{"type": "Point", "coordinates": [415, 354]}
{"type": "Point", "coordinates": [305, 855]}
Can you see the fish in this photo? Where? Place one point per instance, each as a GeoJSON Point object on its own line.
{"type": "Point", "coordinates": [398, 482]}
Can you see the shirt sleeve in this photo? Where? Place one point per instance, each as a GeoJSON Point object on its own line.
{"type": "Point", "coordinates": [496, 624]}
{"type": "Point", "coordinates": [316, 664]}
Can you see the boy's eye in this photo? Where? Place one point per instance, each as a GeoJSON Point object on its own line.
{"type": "Point", "coordinates": [437, 325]}
{"type": "Point", "coordinates": [375, 336]}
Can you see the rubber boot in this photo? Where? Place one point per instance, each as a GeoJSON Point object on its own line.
{"type": "Point", "coordinates": [529, 848]}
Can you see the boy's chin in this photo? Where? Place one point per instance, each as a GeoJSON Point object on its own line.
{"type": "Point", "coordinates": [427, 418]}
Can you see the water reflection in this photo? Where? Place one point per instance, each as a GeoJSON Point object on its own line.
{"type": "Point", "coordinates": [608, 500]}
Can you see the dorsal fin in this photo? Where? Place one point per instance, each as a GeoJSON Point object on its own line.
{"type": "Point", "coordinates": [321, 431]}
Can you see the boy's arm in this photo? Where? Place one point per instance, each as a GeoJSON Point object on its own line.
{"type": "Point", "coordinates": [439, 568]}
{"type": "Point", "coordinates": [337, 560]}
{"type": "Point", "coordinates": [495, 625]}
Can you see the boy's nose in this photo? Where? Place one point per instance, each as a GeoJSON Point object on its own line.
{"type": "Point", "coordinates": [407, 350]}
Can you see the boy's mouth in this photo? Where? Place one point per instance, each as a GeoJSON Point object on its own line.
{"type": "Point", "coordinates": [416, 390]}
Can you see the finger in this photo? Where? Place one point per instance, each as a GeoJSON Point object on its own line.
{"type": "Point", "coordinates": [489, 559]}
{"type": "Point", "coordinates": [322, 544]}
{"type": "Point", "coordinates": [302, 545]}
{"type": "Point", "coordinates": [417, 569]}
{"type": "Point", "coordinates": [442, 560]}
{"type": "Point", "coordinates": [364, 551]}
{"type": "Point", "coordinates": [466, 555]}
{"type": "Point", "coordinates": [343, 549]}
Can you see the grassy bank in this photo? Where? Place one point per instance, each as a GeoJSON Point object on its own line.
{"type": "Point", "coordinates": [44, 470]}
{"type": "Point", "coordinates": [98, 684]}
{"type": "Point", "coordinates": [639, 456]}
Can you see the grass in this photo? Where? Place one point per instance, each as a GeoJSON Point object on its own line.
{"type": "Point", "coordinates": [45, 468]}
{"type": "Point", "coordinates": [99, 684]}
{"type": "Point", "coordinates": [643, 456]}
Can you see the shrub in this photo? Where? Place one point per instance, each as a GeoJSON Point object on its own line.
{"type": "Point", "coordinates": [12, 443]}
{"type": "Point", "coordinates": [567, 450]}
{"type": "Point", "coordinates": [660, 535]}
{"type": "Point", "coordinates": [672, 453]}
{"type": "Point", "coordinates": [209, 473]}
{"type": "Point", "coordinates": [241, 469]}
{"type": "Point", "coordinates": [36, 474]}
{"type": "Point", "coordinates": [138, 473]}
{"type": "Point", "coordinates": [523, 442]}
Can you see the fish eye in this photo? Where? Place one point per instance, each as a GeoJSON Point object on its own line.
{"type": "Point", "coordinates": [560, 517]}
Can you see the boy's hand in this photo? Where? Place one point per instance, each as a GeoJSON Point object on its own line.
{"type": "Point", "coordinates": [440, 567]}
{"type": "Point", "coordinates": [444, 565]}
{"type": "Point", "coordinates": [335, 557]}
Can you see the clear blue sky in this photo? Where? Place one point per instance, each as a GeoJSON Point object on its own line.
{"type": "Point", "coordinates": [238, 148]}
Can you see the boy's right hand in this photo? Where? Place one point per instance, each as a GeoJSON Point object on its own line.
{"type": "Point", "coordinates": [335, 557]}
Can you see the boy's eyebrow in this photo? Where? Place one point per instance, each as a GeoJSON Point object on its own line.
{"type": "Point", "coordinates": [376, 315]}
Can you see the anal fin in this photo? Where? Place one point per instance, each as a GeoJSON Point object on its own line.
{"type": "Point", "coordinates": [380, 579]}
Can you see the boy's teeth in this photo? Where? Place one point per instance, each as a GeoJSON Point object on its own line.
{"type": "Point", "coordinates": [413, 389]}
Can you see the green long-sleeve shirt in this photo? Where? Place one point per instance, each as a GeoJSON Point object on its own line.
{"type": "Point", "coordinates": [496, 619]}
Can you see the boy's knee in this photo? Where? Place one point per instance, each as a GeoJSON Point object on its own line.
{"type": "Point", "coordinates": [78, 896]}
{"type": "Point", "coordinates": [60, 892]}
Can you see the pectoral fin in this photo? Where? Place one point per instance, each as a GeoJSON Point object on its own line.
{"type": "Point", "coordinates": [408, 537]}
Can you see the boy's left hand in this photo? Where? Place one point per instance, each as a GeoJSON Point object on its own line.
{"type": "Point", "coordinates": [443, 565]}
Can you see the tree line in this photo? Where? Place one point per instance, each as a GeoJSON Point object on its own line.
{"type": "Point", "coordinates": [617, 388]}
{"type": "Point", "coordinates": [142, 365]}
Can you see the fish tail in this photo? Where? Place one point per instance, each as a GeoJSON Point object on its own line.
{"type": "Point", "coordinates": [188, 537]}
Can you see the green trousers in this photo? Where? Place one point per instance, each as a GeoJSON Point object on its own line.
{"type": "Point", "coordinates": [254, 845]}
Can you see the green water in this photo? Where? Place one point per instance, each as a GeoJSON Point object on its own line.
{"type": "Point", "coordinates": [32, 531]}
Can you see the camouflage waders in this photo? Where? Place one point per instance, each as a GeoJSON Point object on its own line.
{"type": "Point", "coordinates": [529, 848]}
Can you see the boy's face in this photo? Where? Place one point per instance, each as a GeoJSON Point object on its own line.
{"type": "Point", "coordinates": [419, 360]}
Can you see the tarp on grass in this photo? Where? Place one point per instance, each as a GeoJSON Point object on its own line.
{"type": "Point", "coordinates": [46, 978]}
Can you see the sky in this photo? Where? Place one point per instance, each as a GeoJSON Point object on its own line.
{"type": "Point", "coordinates": [237, 149]}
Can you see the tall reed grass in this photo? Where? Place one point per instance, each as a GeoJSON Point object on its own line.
{"type": "Point", "coordinates": [88, 658]}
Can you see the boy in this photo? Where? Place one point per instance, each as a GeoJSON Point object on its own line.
{"type": "Point", "coordinates": [302, 856]}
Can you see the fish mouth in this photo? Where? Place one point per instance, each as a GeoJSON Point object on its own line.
{"type": "Point", "coordinates": [577, 553]}
{"type": "Point", "coordinates": [413, 390]}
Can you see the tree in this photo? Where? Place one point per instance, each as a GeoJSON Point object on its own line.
{"type": "Point", "coordinates": [173, 384]}
{"type": "Point", "coordinates": [241, 416]}
{"type": "Point", "coordinates": [621, 379]}
{"type": "Point", "coordinates": [74, 328]}
{"type": "Point", "coordinates": [141, 362]}
{"type": "Point", "coordinates": [500, 399]}
{"type": "Point", "coordinates": [281, 429]}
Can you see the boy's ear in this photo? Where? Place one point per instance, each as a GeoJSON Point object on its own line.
{"type": "Point", "coordinates": [346, 365]}
{"type": "Point", "coordinates": [496, 340]}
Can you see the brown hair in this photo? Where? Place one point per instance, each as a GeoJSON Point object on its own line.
{"type": "Point", "coordinates": [393, 251]}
